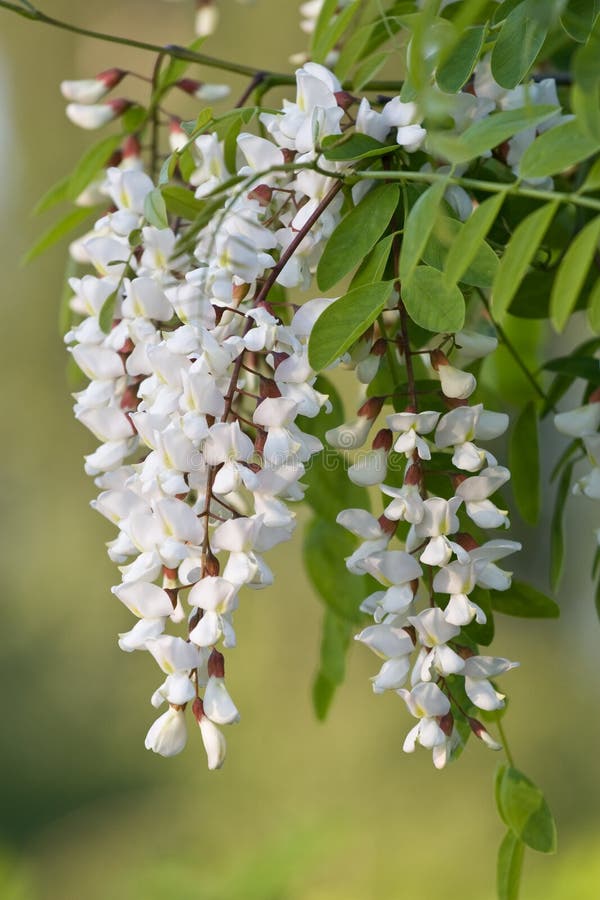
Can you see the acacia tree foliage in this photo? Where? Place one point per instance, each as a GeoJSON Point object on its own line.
{"type": "Point", "coordinates": [391, 229]}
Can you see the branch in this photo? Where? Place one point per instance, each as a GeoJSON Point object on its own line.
{"type": "Point", "coordinates": [492, 187]}
{"type": "Point", "coordinates": [268, 79]}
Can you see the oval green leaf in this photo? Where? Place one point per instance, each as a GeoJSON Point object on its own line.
{"type": "Point", "coordinates": [524, 463]}
{"type": "Point", "coordinates": [556, 150]}
{"type": "Point", "coordinates": [471, 237]}
{"type": "Point", "coordinates": [419, 224]}
{"type": "Point", "coordinates": [518, 44]}
{"type": "Point", "coordinates": [342, 323]}
{"type": "Point", "coordinates": [155, 210]}
{"type": "Point", "coordinates": [526, 811]}
{"type": "Point", "coordinates": [431, 303]}
{"type": "Point", "coordinates": [482, 266]}
{"type": "Point", "coordinates": [357, 234]}
{"type": "Point", "coordinates": [519, 252]}
{"type": "Point", "coordinates": [572, 274]}
{"type": "Point", "coordinates": [524, 602]}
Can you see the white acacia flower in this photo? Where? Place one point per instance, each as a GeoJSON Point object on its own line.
{"type": "Point", "coordinates": [168, 734]}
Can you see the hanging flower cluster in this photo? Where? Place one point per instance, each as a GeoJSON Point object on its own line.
{"type": "Point", "coordinates": [424, 601]}
{"type": "Point", "coordinates": [197, 376]}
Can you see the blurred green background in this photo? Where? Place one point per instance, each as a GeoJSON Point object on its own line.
{"type": "Point", "coordinates": [301, 811]}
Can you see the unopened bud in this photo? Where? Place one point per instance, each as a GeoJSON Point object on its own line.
{"type": "Point", "coordinates": [413, 474]}
{"type": "Point", "coordinates": [211, 93]}
{"type": "Point", "coordinates": [344, 99]}
{"type": "Point", "coordinates": [97, 115]}
{"type": "Point", "coordinates": [371, 408]}
{"type": "Point", "coordinates": [438, 359]}
{"type": "Point", "coordinates": [446, 723]}
{"type": "Point", "coordinates": [198, 709]}
{"type": "Point", "coordinates": [483, 734]}
{"type": "Point", "coordinates": [386, 525]}
{"type": "Point", "coordinates": [239, 292]}
{"type": "Point", "coordinates": [263, 193]}
{"type": "Point", "coordinates": [132, 149]}
{"type": "Point", "coordinates": [383, 440]}
{"type": "Point", "coordinates": [91, 90]}
{"type": "Point", "coordinates": [216, 664]}
{"type": "Point", "coordinates": [379, 348]}
{"type": "Point", "coordinates": [207, 17]}
{"type": "Point", "coordinates": [466, 541]}
{"type": "Point", "coordinates": [211, 565]}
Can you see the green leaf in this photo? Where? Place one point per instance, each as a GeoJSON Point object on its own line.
{"type": "Point", "coordinates": [176, 68]}
{"type": "Point", "coordinates": [456, 70]}
{"type": "Point", "coordinates": [572, 273]}
{"type": "Point", "coordinates": [524, 602]}
{"type": "Point", "coordinates": [432, 303]}
{"type": "Point", "coordinates": [342, 323]}
{"type": "Point", "coordinates": [59, 230]}
{"type": "Point", "coordinates": [586, 367]}
{"type": "Point", "coordinates": [524, 463]}
{"type": "Point", "coordinates": [325, 546]}
{"type": "Point", "coordinates": [557, 537]}
{"type": "Point", "coordinates": [509, 867]}
{"type": "Point", "coordinates": [134, 118]}
{"type": "Point", "coordinates": [556, 150]}
{"type": "Point", "coordinates": [336, 638]}
{"type": "Point", "coordinates": [155, 210]}
{"type": "Point", "coordinates": [91, 164]}
{"type": "Point", "coordinates": [357, 234]}
{"type": "Point", "coordinates": [489, 132]}
{"type": "Point", "coordinates": [417, 229]}
{"type": "Point", "coordinates": [357, 146]}
{"type": "Point", "coordinates": [182, 202]}
{"type": "Point", "coordinates": [106, 316]}
{"type": "Point", "coordinates": [58, 193]}
{"type": "Point", "coordinates": [369, 69]}
{"type": "Point", "coordinates": [519, 252]}
{"type": "Point", "coordinates": [578, 18]}
{"type": "Point", "coordinates": [373, 266]}
{"type": "Point", "coordinates": [586, 106]}
{"type": "Point", "coordinates": [446, 233]}
{"type": "Point", "coordinates": [471, 237]}
{"type": "Point", "coordinates": [517, 46]}
{"type": "Point", "coordinates": [593, 310]}
{"type": "Point", "coordinates": [526, 811]}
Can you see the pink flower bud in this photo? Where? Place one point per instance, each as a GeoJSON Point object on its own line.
{"type": "Point", "coordinates": [97, 115]}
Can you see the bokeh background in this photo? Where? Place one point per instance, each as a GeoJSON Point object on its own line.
{"type": "Point", "coordinates": [302, 810]}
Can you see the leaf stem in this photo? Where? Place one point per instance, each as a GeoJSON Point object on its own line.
{"type": "Point", "coordinates": [504, 740]}
{"type": "Point", "coordinates": [270, 79]}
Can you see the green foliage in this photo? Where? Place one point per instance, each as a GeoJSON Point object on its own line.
{"type": "Point", "coordinates": [518, 44]}
{"type": "Point", "coordinates": [557, 537]}
{"type": "Point", "coordinates": [431, 302]}
{"type": "Point", "coordinates": [155, 209]}
{"type": "Point", "coordinates": [455, 71]}
{"type": "Point", "coordinates": [418, 226]}
{"type": "Point", "coordinates": [357, 234]}
{"type": "Point", "coordinates": [482, 261]}
{"type": "Point", "coordinates": [518, 255]}
{"type": "Point", "coordinates": [525, 602]}
{"type": "Point", "coordinates": [470, 238]}
{"type": "Point", "coordinates": [489, 132]}
{"type": "Point", "coordinates": [523, 808]}
{"type": "Point", "coordinates": [65, 225]}
{"type": "Point", "coordinates": [557, 149]}
{"type": "Point", "coordinates": [509, 867]}
{"type": "Point", "coordinates": [572, 273]}
{"type": "Point", "coordinates": [524, 463]}
{"type": "Point", "coordinates": [342, 323]}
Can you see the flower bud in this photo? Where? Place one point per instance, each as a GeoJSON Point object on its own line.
{"type": "Point", "coordinates": [207, 17]}
{"type": "Point", "coordinates": [211, 93]}
{"type": "Point", "coordinates": [483, 734]}
{"type": "Point", "coordinates": [96, 116]}
{"type": "Point", "coordinates": [91, 90]}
